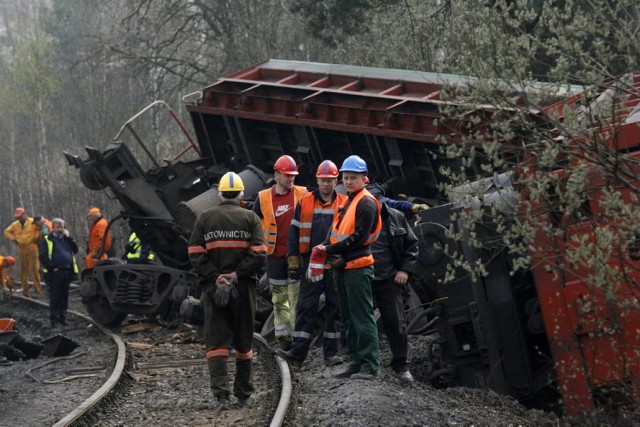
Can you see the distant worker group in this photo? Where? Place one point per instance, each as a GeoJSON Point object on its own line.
{"type": "Point", "coordinates": [46, 246]}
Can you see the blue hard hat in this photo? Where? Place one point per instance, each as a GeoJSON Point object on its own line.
{"type": "Point", "coordinates": [354, 164]}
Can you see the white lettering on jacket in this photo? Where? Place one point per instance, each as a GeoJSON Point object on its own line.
{"type": "Point", "coordinates": [229, 234]}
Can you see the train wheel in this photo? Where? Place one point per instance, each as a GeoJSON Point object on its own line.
{"type": "Point", "coordinates": [100, 311]}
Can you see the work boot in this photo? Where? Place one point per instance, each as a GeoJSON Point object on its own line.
{"type": "Point", "coordinates": [290, 358]}
{"type": "Point", "coordinates": [223, 403]}
{"type": "Point", "coordinates": [243, 402]}
{"type": "Point", "coordinates": [351, 370]}
{"type": "Point", "coordinates": [284, 343]}
{"type": "Point", "coordinates": [333, 360]}
{"type": "Point", "coordinates": [405, 377]}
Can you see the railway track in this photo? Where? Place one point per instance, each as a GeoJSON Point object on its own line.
{"type": "Point", "coordinates": [142, 373]}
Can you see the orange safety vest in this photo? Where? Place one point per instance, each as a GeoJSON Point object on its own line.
{"type": "Point", "coordinates": [3, 272]}
{"type": "Point", "coordinates": [268, 217]}
{"type": "Point", "coordinates": [309, 206]}
{"type": "Point", "coordinates": [49, 225]}
{"type": "Point", "coordinates": [343, 228]}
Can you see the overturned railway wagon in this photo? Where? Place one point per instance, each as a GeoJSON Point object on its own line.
{"type": "Point", "coordinates": [508, 332]}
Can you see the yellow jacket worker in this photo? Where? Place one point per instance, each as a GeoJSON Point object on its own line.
{"type": "Point", "coordinates": [25, 234]}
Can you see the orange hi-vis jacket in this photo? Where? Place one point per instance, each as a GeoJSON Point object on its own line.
{"type": "Point", "coordinates": [49, 225]}
{"type": "Point", "coordinates": [96, 234]}
{"type": "Point", "coordinates": [309, 207]}
{"type": "Point", "coordinates": [268, 217]}
{"type": "Point", "coordinates": [5, 280]}
{"type": "Point", "coordinates": [344, 226]}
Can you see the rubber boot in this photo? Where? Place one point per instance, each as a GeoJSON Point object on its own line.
{"type": "Point", "coordinates": [243, 384]}
{"type": "Point", "coordinates": [218, 376]}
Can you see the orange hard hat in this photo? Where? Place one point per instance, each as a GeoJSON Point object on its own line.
{"type": "Point", "coordinates": [93, 211]}
{"type": "Point", "coordinates": [285, 164]}
{"type": "Point", "coordinates": [327, 169]}
{"type": "Point", "coordinates": [10, 261]}
{"type": "Point", "coordinates": [19, 212]}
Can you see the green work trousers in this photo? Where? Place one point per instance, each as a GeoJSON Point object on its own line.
{"type": "Point", "coordinates": [224, 326]}
{"type": "Point", "coordinates": [356, 308]}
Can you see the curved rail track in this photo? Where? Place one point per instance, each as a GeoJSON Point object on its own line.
{"type": "Point", "coordinates": [151, 375]}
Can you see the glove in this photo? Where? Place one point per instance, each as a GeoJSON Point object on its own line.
{"type": "Point", "coordinates": [419, 207]}
{"type": "Point", "coordinates": [225, 290]}
{"type": "Point", "coordinates": [315, 272]}
{"type": "Point", "coordinates": [293, 271]}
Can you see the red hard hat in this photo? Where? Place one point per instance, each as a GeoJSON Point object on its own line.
{"type": "Point", "coordinates": [285, 164]}
{"type": "Point", "coordinates": [327, 169]}
{"type": "Point", "coordinates": [10, 261]}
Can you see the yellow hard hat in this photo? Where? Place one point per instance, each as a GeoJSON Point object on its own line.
{"type": "Point", "coordinates": [230, 181]}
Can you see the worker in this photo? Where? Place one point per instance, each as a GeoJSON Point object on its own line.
{"type": "Point", "coordinates": [407, 208]}
{"type": "Point", "coordinates": [43, 225]}
{"type": "Point", "coordinates": [275, 208]}
{"type": "Point", "coordinates": [395, 254]}
{"type": "Point", "coordinates": [97, 229]}
{"type": "Point", "coordinates": [57, 250]}
{"type": "Point", "coordinates": [311, 223]}
{"type": "Point", "coordinates": [353, 232]}
{"type": "Point", "coordinates": [7, 281]}
{"type": "Point", "coordinates": [227, 250]}
{"type": "Point", "coordinates": [24, 234]}
{"type": "Point", "coordinates": [137, 252]}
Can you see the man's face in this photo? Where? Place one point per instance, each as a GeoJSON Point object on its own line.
{"type": "Point", "coordinates": [92, 219]}
{"type": "Point", "coordinates": [58, 228]}
{"type": "Point", "coordinates": [39, 222]}
{"type": "Point", "coordinates": [353, 181]}
{"type": "Point", "coordinates": [284, 180]}
{"type": "Point", "coordinates": [326, 185]}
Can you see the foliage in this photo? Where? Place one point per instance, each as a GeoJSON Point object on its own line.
{"type": "Point", "coordinates": [333, 20]}
{"type": "Point", "coordinates": [569, 212]}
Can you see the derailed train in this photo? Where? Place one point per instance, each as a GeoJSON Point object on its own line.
{"type": "Point", "coordinates": [519, 333]}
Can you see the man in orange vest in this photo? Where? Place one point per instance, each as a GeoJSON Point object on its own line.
{"type": "Point", "coordinates": [310, 225]}
{"type": "Point", "coordinates": [24, 234]}
{"type": "Point", "coordinates": [43, 225]}
{"type": "Point", "coordinates": [275, 208]}
{"type": "Point", "coordinates": [353, 231]}
{"type": "Point", "coordinates": [5, 264]}
{"type": "Point", "coordinates": [97, 228]}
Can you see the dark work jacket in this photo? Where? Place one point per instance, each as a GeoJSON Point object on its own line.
{"type": "Point", "coordinates": [404, 243]}
{"type": "Point", "coordinates": [54, 262]}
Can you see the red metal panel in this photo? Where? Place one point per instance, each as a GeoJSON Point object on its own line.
{"type": "Point", "coordinates": [395, 103]}
{"type": "Point", "coordinates": [594, 333]}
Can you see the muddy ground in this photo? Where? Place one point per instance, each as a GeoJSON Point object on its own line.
{"type": "Point", "coordinates": [319, 399]}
